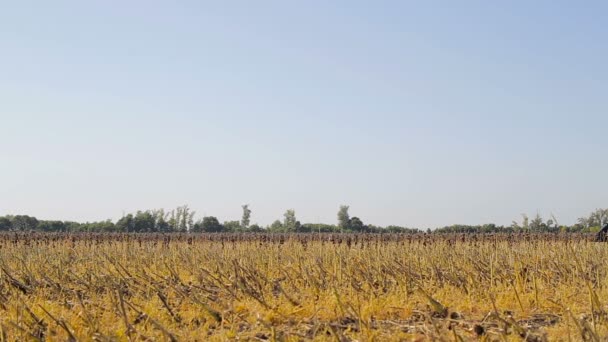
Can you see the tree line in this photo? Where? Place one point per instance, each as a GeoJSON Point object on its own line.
{"type": "Point", "coordinates": [586, 224]}
{"type": "Point", "coordinates": [182, 220]}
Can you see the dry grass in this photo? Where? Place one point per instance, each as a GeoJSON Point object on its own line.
{"type": "Point", "coordinates": [302, 287]}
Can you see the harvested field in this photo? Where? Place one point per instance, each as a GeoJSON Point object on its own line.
{"type": "Point", "coordinates": [326, 287]}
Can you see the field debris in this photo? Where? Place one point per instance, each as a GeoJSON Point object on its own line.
{"type": "Point", "coordinates": [298, 287]}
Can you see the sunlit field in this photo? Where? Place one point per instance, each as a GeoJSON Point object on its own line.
{"type": "Point", "coordinates": [328, 287]}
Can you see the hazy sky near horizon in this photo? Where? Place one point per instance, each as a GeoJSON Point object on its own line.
{"type": "Point", "coordinates": [421, 114]}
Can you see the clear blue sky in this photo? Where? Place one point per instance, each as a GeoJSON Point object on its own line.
{"type": "Point", "coordinates": [414, 113]}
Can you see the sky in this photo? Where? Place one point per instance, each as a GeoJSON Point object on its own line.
{"type": "Point", "coordinates": [413, 113]}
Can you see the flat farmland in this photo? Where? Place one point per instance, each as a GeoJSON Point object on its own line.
{"type": "Point", "coordinates": [300, 287]}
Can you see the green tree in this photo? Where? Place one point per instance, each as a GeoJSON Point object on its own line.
{"type": "Point", "coordinates": [160, 221]}
{"type": "Point", "coordinates": [72, 226]}
{"type": "Point", "coordinates": [290, 223]}
{"type": "Point", "coordinates": [598, 218]}
{"type": "Point", "coordinates": [197, 227]}
{"type": "Point", "coordinates": [143, 222]}
{"type": "Point", "coordinates": [320, 227]}
{"type": "Point", "coordinates": [183, 219]}
{"type": "Point", "coordinates": [356, 225]}
{"type": "Point", "coordinates": [232, 226]}
{"type": "Point", "coordinates": [5, 224]}
{"type": "Point", "coordinates": [255, 228]}
{"type": "Point", "coordinates": [537, 223]}
{"type": "Point", "coordinates": [24, 222]}
{"type": "Point", "coordinates": [102, 226]}
{"type": "Point", "coordinates": [583, 222]}
{"type": "Point", "coordinates": [398, 229]}
{"type": "Point", "coordinates": [52, 226]}
{"type": "Point", "coordinates": [276, 226]}
{"type": "Point", "coordinates": [343, 218]}
{"type": "Point", "coordinates": [210, 224]}
{"type": "Point", "coordinates": [126, 224]}
{"type": "Point", "coordinates": [525, 222]}
{"type": "Point", "coordinates": [246, 216]}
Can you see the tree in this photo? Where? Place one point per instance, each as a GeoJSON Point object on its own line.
{"type": "Point", "coordinates": [599, 217]}
{"type": "Point", "coordinates": [398, 229]}
{"type": "Point", "coordinates": [232, 226]}
{"type": "Point", "coordinates": [356, 225]}
{"type": "Point", "coordinates": [210, 224]}
{"type": "Point", "coordinates": [343, 218]}
{"type": "Point", "coordinates": [303, 228]}
{"type": "Point", "coordinates": [524, 222]}
{"type": "Point", "coordinates": [320, 228]}
{"type": "Point", "coordinates": [290, 224]}
{"type": "Point", "coordinates": [553, 222]}
{"type": "Point", "coordinates": [5, 224]}
{"type": "Point", "coordinates": [160, 221]}
{"type": "Point", "coordinates": [184, 218]}
{"type": "Point", "coordinates": [246, 216]}
{"type": "Point", "coordinates": [537, 223]}
{"type": "Point", "coordinates": [255, 228]}
{"type": "Point", "coordinates": [102, 226]}
{"type": "Point", "coordinates": [143, 222]}
{"type": "Point", "coordinates": [24, 222]}
{"type": "Point", "coordinates": [197, 227]}
{"type": "Point", "coordinates": [181, 219]}
{"type": "Point", "coordinates": [172, 221]}
{"type": "Point", "coordinates": [584, 222]}
{"type": "Point", "coordinates": [52, 226]}
{"type": "Point", "coordinates": [126, 224]}
{"type": "Point", "coordinates": [276, 226]}
{"type": "Point", "coordinates": [72, 226]}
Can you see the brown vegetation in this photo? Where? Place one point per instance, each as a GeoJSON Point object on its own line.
{"type": "Point", "coordinates": [333, 287]}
